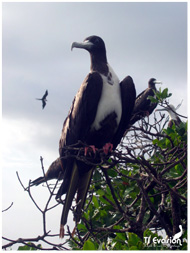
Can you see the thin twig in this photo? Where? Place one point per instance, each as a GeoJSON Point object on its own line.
{"type": "Point", "coordinates": [7, 207]}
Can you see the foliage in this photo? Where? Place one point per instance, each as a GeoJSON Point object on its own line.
{"type": "Point", "coordinates": [148, 193]}
{"type": "Point", "coordinates": [30, 246]}
{"type": "Point", "coordinates": [137, 196]}
{"type": "Point", "coordinates": [160, 96]}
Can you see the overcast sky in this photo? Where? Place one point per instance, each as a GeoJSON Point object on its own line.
{"type": "Point", "coordinates": [142, 40]}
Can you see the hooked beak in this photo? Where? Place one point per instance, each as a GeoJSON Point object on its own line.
{"type": "Point", "coordinates": [85, 45]}
{"type": "Point", "coordinates": [157, 82]}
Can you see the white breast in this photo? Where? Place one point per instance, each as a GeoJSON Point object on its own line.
{"type": "Point", "coordinates": [110, 100]}
{"type": "Point", "coordinates": [172, 115]}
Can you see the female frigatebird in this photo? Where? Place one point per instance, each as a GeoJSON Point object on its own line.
{"type": "Point", "coordinates": [143, 106]}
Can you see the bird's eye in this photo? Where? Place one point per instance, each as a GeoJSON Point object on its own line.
{"type": "Point", "coordinates": [86, 41]}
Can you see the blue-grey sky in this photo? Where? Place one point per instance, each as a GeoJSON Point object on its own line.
{"type": "Point", "coordinates": [143, 40]}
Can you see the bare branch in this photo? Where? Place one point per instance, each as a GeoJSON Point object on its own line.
{"type": "Point", "coordinates": [7, 207]}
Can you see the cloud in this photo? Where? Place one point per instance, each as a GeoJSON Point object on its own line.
{"type": "Point", "coordinates": [143, 40]}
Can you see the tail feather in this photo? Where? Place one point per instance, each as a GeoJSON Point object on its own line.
{"type": "Point", "coordinates": [83, 186]}
{"type": "Point", "coordinates": [38, 181]}
{"type": "Point", "coordinates": [69, 198]}
{"type": "Point", "coordinates": [79, 184]}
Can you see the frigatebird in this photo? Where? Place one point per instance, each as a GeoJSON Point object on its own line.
{"type": "Point", "coordinates": [55, 171]}
{"type": "Point", "coordinates": [44, 100]}
{"type": "Point", "coordinates": [143, 106]}
{"type": "Point", "coordinates": [99, 115]}
{"type": "Point", "coordinates": [173, 117]}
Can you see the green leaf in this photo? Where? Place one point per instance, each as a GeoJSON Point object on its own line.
{"type": "Point", "coordinates": [164, 93]}
{"type": "Point", "coordinates": [128, 190]}
{"type": "Point", "coordinates": [133, 239]}
{"type": "Point", "coordinates": [95, 201]}
{"type": "Point", "coordinates": [89, 245]}
{"type": "Point", "coordinates": [133, 248]}
{"type": "Point", "coordinates": [81, 227]}
{"type": "Point", "coordinates": [97, 175]}
{"type": "Point", "coordinates": [169, 130]}
{"type": "Point", "coordinates": [156, 141]}
{"type": "Point", "coordinates": [101, 192]}
{"type": "Point", "coordinates": [112, 173]}
{"type": "Point", "coordinates": [121, 236]}
{"type": "Point", "coordinates": [167, 142]}
{"type": "Point", "coordinates": [30, 246]}
{"type": "Point", "coordinates": [152, 99]}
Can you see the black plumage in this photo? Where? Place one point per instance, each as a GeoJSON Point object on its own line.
{"type": "Point", "coordinates": [43, 99]}
{"type": "Point", "coordinates": [55, 171]}
{"type": "Point", "coordinates": [99, 115]}
{"type": "Point", "coordinates": [143, 106]}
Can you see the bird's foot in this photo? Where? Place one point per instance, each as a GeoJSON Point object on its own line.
{"type": "Point", "coordinates": [62, 231]}
{"type": "Point", "coordinates": [90, 148]}
{"type": "Point", "coordinates": [107, 147]}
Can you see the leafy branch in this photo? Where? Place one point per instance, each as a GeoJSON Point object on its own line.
{"type": "Point", "coordinates": [140, 188]}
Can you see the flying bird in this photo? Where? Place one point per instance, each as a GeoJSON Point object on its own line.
{"type": "Point", "coordinates": [44, 100]}
{"type": "Point", "coordinates": [99, 115]}
{"type": "Point", "coordinates": [173, 117]}
{"type": "Point", "coordinates": [143, 106]}
{"type": "Point", "coordinates": [55, 171]}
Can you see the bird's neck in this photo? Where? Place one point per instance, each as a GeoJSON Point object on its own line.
{"type": "Point", "coordinates": [99, 64]}
{"type": "Point", "coordinates": [152, 86]}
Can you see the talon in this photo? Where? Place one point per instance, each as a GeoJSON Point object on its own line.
{"type": "Point", "coordinates": [107, 147]}
{"type": "Point", "coordinates": [91, 147]}
{"type": "Point", "coordinates": [85, 151]}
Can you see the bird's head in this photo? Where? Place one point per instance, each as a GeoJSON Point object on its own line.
{"type": "Point", "coordinates": [152, 82]}
{"type": "Point", "coordinates": [96, 47]}
{"type": "Point", "coordinates": [93, 44]}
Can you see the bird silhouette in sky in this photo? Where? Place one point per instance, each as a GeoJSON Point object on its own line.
{"type": "Point", "coordinates": [44, 100]}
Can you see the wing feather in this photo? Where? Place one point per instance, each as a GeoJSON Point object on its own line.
{"type": "Point", "coordinates": [128, 95]}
